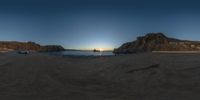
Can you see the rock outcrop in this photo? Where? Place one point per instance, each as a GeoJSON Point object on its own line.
{"type": "Point", "coordinates": [157, 42]}
{"type": "Point", "coordinates": [31, 46]}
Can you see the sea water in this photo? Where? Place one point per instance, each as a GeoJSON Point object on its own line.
{"type": "Point", "coordinates": [83, 53]}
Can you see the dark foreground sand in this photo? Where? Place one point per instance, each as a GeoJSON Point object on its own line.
{"type": "Point", "coordinates": [130, 77]}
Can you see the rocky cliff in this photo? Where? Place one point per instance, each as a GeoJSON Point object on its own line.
{"type": "Point", "coordinates": [12, 45]}
{"type": "Point", "coordinates": [157, 42]}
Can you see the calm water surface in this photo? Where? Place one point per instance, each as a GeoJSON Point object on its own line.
{"type": "Point", "coordinates": [84, 53]}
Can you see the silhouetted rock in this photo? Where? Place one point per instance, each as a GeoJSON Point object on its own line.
{"type": "Point", "coordinates": [30, 46]}
{"type": "Point", "coordinates": [95, 50]}
{"type": "Point", "coordinates": [157, 42]}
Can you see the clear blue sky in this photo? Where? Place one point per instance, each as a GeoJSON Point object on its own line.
{"type": "Point", "coordinates": [88, 24]}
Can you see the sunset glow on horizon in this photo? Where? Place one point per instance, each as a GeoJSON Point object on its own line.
{"type": "Point", "coordinates": [97, 24]}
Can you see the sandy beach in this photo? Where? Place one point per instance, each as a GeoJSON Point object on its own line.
{"type": "Point", "coordinates": [145, 76]}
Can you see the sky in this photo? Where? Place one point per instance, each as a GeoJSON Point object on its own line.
{"type": "Point", "coordinates": [89, 24]}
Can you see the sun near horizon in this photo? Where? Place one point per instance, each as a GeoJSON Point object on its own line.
{"type": "Point", "coordinates": [100, 49]}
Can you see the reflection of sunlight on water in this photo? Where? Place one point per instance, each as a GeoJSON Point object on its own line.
{"type": "Point", "coordinates": [101, 52]}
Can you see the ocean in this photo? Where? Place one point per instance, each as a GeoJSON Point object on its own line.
{"type": "Point", "coordinates": [83, 53]}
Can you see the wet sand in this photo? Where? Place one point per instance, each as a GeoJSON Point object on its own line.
{"type": "Point", "coordinates": [145, 76]}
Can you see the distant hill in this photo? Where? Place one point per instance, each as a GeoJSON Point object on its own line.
{"type": "Point", "coordinates": [14, 45]}
{"type": "Point", "coordinates": [157, 42]}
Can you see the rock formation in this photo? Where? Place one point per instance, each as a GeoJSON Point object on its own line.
{"type": "Point", "coordinates": [157, 42]}
{"type": "Point", "coordinates": [31, 46]}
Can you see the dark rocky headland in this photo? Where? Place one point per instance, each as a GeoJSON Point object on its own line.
{"type": "Point", "coordinates": [31, 46]}
{"type": "Point", "coordinates": [157, 42]}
